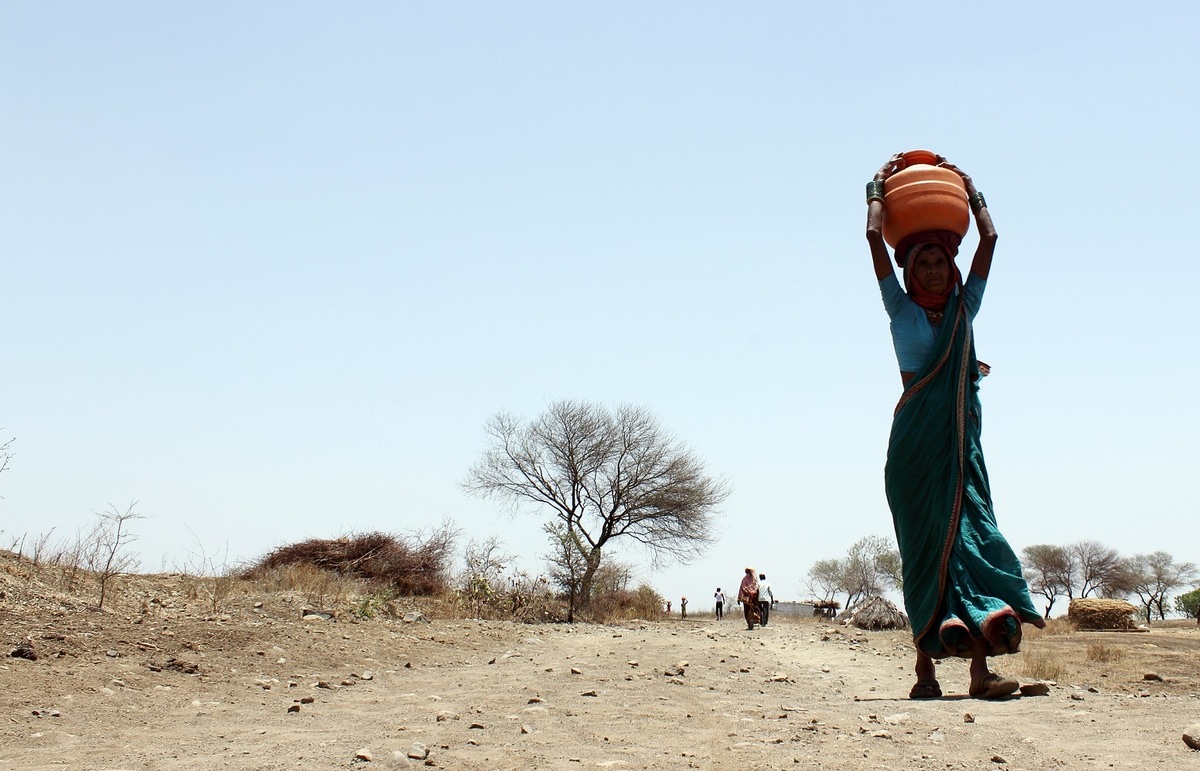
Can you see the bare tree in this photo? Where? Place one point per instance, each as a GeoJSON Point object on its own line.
{"type": "Point", "coordinates": [825, 579]}
{"type": "Point", "coordinates": [1049, 571]}
{"type": "Point", "coordinates": [870, 566]}
{"type": "Point", "coordinates": [567, 562]}
{"type": "Point", "coordinates": [5, 453]}
{"type": "Point", "coordinates": [1152, 577]}
{"type": "Point", "coordinates": [105, 553]}
{"type": "Point", "coordinates": [1096, 565]}
{"type": "Point", "coordinates": [603, 475]}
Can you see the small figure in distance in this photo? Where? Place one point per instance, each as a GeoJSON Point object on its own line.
{"type": "Point", "coordinates": [720, 599]}
{"type": "Point", "coordinates": [766, 598]}
{"type": "Point", "coordinates": [748, 598]}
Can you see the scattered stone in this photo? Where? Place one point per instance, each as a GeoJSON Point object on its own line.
{"type": "Point", "coordinates": [998, 759]}
{"type": "Point", "coordinates": [478, 726]}
{"type": "Point", "coordinates": [111, 654]}
{"type": "Point", "coordinates": [418, 751]}
{"type": "Point", "coordinates": [576, 671]}
{"type": "Point", "coordinates": [445, 715]}
{"type": "Point", "coordinates": [294, 708]}
{"type": "Point", "coordinates": [779, 677]}
{"type": "Point", "coordinates": [589, 693]}
{"type": "Point", "coordinates": [526, 729]}
{"type": "Point", "coordinates": [367, 675]}
{"type": "Point", "coordinates": [324, 684]}
{"type": "Point", "coordinates": [307, 699]}
{"type": "Point", "coordinates": [1152, 676]}
{"type": "Point", "coordinates": [968, 718]}
{"type": "Point", "coordinates": [414, 616]}
{"type": "Point", "coordinates": [883, 734]}
{"type": "Point", "coordinates": [363, 756]}
{"type": "Point", "coordinates": [535, 700]}
{"type": "Point", "coordinates": [1035, 689]}
{"type": "Point", "coordinates": [24, 651]}
{"type": "Point", "coordinates": [179, 665]}
{"type": "Point", "coordinates": [309, 614]}
{"type": "Point", "coordinates": [1077, 697]}
{"type": "Point", "coordinates": [1191, 736]}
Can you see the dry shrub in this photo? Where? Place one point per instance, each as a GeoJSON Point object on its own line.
{"type": "Point", "coordinates": [1042, 665]}
{"type": "Point", "coordinates": [320, 587]}
{"type": "Point", "coordinates": [623, 605]}
{"type": "Point", "coordinates": [415, 566]}
{"type": "Point", "coordinates": [1103, 652]}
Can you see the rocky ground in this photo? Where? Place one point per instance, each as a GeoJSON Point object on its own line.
{"type": "Point", "coordinates": [162, 684]}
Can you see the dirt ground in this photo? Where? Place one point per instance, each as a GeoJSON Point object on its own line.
{"type": "Point", "coordinates": [161, 684]}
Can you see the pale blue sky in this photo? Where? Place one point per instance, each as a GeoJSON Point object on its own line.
{"type": "Point", "coordinates": [269, 267]}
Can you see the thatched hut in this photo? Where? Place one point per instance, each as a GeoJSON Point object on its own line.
{"type": "Point", "coordinates": [875, 614]}
{"type": "Point", "coordinates": [1095, 613]}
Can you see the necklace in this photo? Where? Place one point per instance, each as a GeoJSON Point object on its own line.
{"type": "Point", "coordinates": [935, 317]}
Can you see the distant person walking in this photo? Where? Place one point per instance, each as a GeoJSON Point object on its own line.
{"type": "Point", "coordinates": [683, 607]}
{"type": "Point", "coordinates": [766, 598]}
{"type": "Point", "coordinates": [748, 598]}
{"type": "Point", "coordinates": [720, 598]}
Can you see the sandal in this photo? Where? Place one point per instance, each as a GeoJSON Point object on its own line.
{"type": "Point", "coordinates": [926, 689]}
{"type": "Point", "coordinates": [993, 686]}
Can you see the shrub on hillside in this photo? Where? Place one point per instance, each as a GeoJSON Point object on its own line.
{"type": "Point", "coordinates": [417, 565]}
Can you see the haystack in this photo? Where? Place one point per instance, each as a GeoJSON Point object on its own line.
{"type": "Point", "coordinates": [876, 613]}
{"type": "Point", "coordinates": [1094, 613]}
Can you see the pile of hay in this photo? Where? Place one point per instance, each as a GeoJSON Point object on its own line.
{"type": "Point", "coordinates": [875, 614]}
{"type": "Point", "coordinates": [1094, 613]}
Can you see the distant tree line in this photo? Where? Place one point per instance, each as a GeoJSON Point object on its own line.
{"type": "Point", "coordinates": [1091, 569]}
{"type": "Point", "coordinates": [1085, 568]}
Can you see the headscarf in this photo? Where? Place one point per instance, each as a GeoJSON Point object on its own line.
{"type": "Point", "coordinates": [909, 246]}
{"type": "Point", "coordinates": [748, 591]}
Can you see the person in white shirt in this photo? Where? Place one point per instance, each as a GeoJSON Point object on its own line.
{"type": "Point", "coordinates": [765, 599]}
{"type": "Point", "coordinates": [720, 598]}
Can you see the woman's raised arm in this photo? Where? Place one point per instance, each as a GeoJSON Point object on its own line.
{"type": "Point", "coordinates": [981, 264]}
{"type": "Point", "coordinates": [879, 253]}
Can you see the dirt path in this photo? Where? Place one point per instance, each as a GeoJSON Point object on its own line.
{"type": "Point", "coordinates": [258, 688]}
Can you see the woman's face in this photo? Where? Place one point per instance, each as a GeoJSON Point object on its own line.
{"type": "Point", "coordinates": [932, 268]}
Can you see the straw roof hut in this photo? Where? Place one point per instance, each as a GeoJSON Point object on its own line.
{"type": "Point", "coordinates": [876, 613]}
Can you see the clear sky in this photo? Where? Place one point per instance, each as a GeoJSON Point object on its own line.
{"type": "Point", "coordinates": [268, 267]}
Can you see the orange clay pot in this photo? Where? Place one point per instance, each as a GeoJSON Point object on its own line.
{"type": "Point", "coordinates": [922, 196]}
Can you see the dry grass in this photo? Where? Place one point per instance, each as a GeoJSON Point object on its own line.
{"type": "Point", "coordinates": [1103, 653]}
{"type": "Point", "coordinates": [1042, 665]}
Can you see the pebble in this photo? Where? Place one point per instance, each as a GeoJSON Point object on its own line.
{"type": "Point", "coordinates": [1191, 736]}
{"type": "Point", "coordinates": [418, 751]}
{"type": "Point", "coordinates": [1035, 689]}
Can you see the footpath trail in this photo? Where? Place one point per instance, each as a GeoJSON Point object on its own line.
{"type": "Point", "coordinates": [258, 688]}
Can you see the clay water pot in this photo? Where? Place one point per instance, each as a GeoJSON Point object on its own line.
{"type": "Point", "coordinates": [922, 196]}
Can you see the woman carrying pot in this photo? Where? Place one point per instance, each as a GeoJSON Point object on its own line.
{"type": "Point", "coordinates": [963, 588]}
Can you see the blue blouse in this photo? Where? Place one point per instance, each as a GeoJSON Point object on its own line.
{"type": "Point", "coordinates": [912, 334]}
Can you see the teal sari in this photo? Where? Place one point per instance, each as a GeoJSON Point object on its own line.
{"type": "Point", "coordinates": [962, 581]}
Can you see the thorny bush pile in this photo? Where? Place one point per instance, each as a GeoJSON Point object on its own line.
{"type": "Point", "coordinates": [415, 567]}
